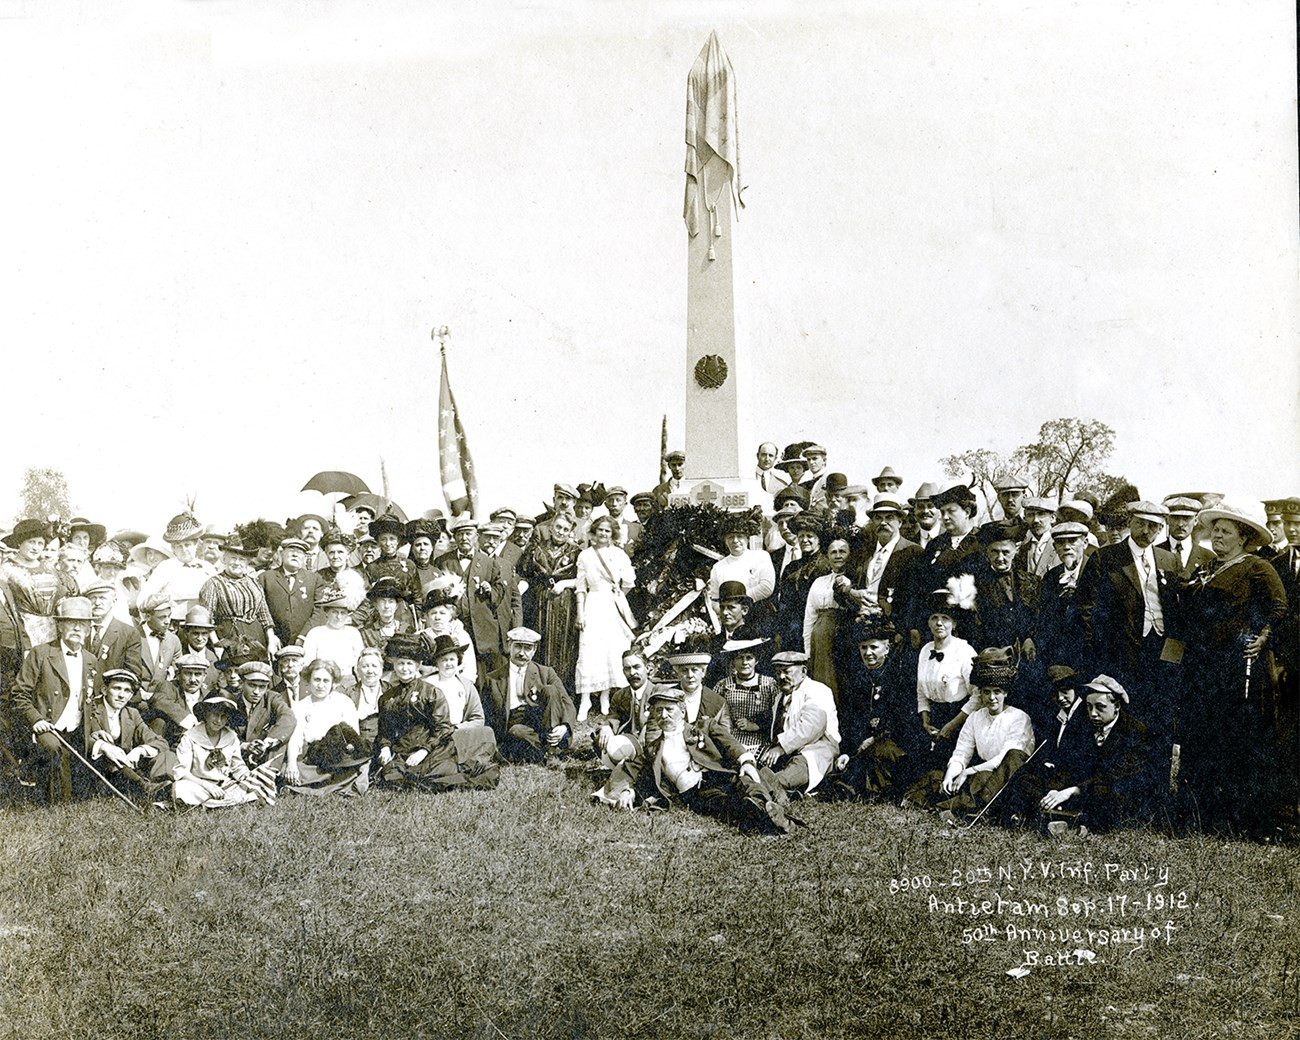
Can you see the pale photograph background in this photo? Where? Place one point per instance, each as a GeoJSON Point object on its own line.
{"type": "Point", "coordinates": [231, 226]}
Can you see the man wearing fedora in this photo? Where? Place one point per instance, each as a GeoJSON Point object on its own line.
{"type": "Point", "coordinates": [55, 685]}
{"type": "Point", "coordinates": [888, 483]}
{"type": "Point", "coordinates": [290, 591]}
{"type": "Point", "coordinates": [922, 525]}
{"type": "Point", "coordinates": [885, 579]}
{"type": "Point", "coordinates": [485, 605]}
{"type": "Point", "coordinates": [1128, 603]}
{"type": "Point", "coordinates": [734, 606]}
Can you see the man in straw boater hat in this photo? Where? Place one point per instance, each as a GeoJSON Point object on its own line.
{"type": "Point", "coordinates": [699, 765]}
{"type": "Point", "coordinates": [526, 703]}
{"type": "Point", "coordinates": [183, 575]}
{"type": "Point", "coordinates": [55, 684]}
{"type": "Point", "coordinates": [1128, 603]}
{"type": "Point", "coordinates": [994, 742]}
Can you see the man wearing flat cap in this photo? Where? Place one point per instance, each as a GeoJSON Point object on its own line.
{"type": "Point", "coordinates": [486, 606]}
{"type": "Point", "coordinates": [268, 717]}
{"type": "Point", "coordinates": [805, 735]}
{"type": "Point", "coordinates": [696, 764]}
{"type": "Point", "coordinates": [1060, 635]}
{"type": "Point", "coordinates": [1181, 542]}
{"type": "Point", "coordinates": [1035, 555]}
{"type": "Point", "coordinates": [814, 481]}
{"type": "Point", "coordinates": [527, 705]}
{"type": "Point", "coordinates": [159, 645]}
{"type": "Point", "coordinates": [290, 591]}
{"type": "Point", "coordinates": [56, 683]}
{"type": "Point", "coordinates": [676, 463]}
{"type": "Point", "coordinates": [1128, 603]}
{"type": "Point", "coordinates": [1012, 489]}
{"type": "Point", "coordinates": [114, 643]}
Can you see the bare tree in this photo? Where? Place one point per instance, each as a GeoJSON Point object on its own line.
{"type": "Point", "coordinates": [44, 494]}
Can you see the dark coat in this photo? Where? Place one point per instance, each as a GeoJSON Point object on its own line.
{"type": "Point", "coordinates": [413, 716]}
{"type": "Point", "coordinates": [1121, 786]}
{"type": "Point", "coordinates": [711, 748]}
{"type": "Point", "coordinates": [41, 691]}
{"type": "Point", "coordinates": [488, 615]}
{"type": "Point", "coordinates": [1112, 607]}
{"type": "Point", "coordinates": [291, 612]}
{"type": "Point", "coordinates": [158, 671]}
{"type": "Point", "coordinates": [541, 685]}
{"type": "Point", "coordinates": [119, 647]}
{"type": "Point", "coordinates": [1061, 637]}
{"type": "Point", "coordinates": [272, 718]}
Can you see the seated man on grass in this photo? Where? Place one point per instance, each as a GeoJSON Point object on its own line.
{"type": "Point", "coordinates": [527, 704]}
{"type": "Point", "coordinates": [696, 764]}
{"type": "Point", "coordinates": [805, 735]}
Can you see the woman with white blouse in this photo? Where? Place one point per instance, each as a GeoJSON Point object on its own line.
{"type": "Point", "coordinates": [326, 753]}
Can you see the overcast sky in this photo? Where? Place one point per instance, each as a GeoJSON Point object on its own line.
{"type": "Point", "coordinates": [231, 226]}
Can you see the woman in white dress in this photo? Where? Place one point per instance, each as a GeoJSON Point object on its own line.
{"type": "Point", "coordinates": [604, 619]}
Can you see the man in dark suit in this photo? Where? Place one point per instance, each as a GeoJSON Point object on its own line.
{"type": "Point", "coordinates": [1181, 520]}
{"type": "Point", "coordinates": [1061, 638]}
{"type": "Point", "coordinates": [885, 579]}
{"type": "Point", "coordinates": [56, 683]}
{"type": "Point", "coordinates": [114, 643]}
{"type": "Point", "coordinates": [1286, 637]}
{"type": "Point", "coordinates": [527, 705]}
{"type": "Point", "coordinates": [1115, 785]}
{"type": "Point", "coordinates": [290, 591]}
{"type": "Point", "coordinates": [485, 605]}
{"type": "Point", "coordinates": [269, 718]}
{"type": "Point", "coordinates": [1127, 601]}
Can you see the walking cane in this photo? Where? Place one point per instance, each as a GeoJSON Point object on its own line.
{"type": "Point", "coordinates": [86, 762]}
{"type": "Point", "coordinates": [988, 805]}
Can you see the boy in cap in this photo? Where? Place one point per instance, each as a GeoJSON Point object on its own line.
{"type": "Point", "coordinates": [159, 645]}
{"type": "Point", "coordinates": [676, 463]}
{"type": "Point", "coordinates": [120, 742]}
{"type": "Point", "coordinates": [527, 705]}
{"type": "Point", "coordinates": [289, 661]}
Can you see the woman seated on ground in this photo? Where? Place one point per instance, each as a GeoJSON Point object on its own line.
{"type": "Point", "coordinates": [132, 755]}
{"type": "Point", "coordinates": [327, 754]}
{"type": "Point", "coordinates": [944, 697]}
{"type": "Point", "coordinates": [994, 742]}
{"type": "Point", "coordinates": [365, 691]}
{"type": "Point", "coordinates": [209, 769]}
{"type": "Point", "coordinates": [415, 727]}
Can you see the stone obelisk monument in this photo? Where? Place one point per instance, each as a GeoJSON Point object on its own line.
{"type": "Point", "coordinates": [712, 366]}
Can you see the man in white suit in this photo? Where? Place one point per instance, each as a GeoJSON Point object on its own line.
{"type": "Point", "coordinates": [805, 736]}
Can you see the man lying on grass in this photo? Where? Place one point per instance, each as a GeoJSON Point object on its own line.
{"type": "Point", "coordinates": [696, 764]}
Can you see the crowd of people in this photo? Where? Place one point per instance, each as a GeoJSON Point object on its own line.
{"type": "Point", "coordinates": [1053, 664]}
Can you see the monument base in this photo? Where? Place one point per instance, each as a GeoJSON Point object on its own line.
{"type": "Point", "coordinates": [730, 494]}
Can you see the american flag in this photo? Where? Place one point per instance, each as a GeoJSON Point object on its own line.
{"type": "Point", "coordinates": [458, 482]}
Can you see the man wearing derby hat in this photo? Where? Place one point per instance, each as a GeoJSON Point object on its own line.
{"type": "Point", "coordinates": [696, 764]}
{"type": "Point", "coordinates": [1128, 603]}
{"type": "Point", "coordinates": [290, 591]}
{"type": "Point", "coordinates": [527, 705]}
{"type": "Point", "coordinates": [55, 685]}
{"type": "Point", "coordinates": [734, 606]}
{"type": "Point", "coordinates": [805, 735]}
{"type": "Point", "coordinates": [486, 606]}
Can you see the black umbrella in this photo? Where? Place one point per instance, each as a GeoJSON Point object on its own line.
{"type": "Point", "coordinates": [337, 482]}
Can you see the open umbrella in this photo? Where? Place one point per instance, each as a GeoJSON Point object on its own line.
{"type": "Point", "coordinates": [336, 482]}
{"type": "Point", "coordinates": [377, 503]}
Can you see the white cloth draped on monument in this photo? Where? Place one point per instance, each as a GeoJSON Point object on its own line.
{"type": "Point", "coordinates": [457, 468]}
{"type": "Point", "coordinates": [710, 130]}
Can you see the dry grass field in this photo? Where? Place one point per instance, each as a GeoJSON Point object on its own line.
{"type": "Point", "coordinates": [529, 912]}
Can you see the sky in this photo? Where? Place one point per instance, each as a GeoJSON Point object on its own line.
{"type": "Point", "coordinates": [231, 227]}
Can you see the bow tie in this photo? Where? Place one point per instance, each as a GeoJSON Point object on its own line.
{"type": "Point", "coordinates": [936, 655]}
{"type": "Point", "coordinates": [72, 653]}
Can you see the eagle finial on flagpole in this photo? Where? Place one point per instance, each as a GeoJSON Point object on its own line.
{"type": "Point", "coordinates": [440, 336]}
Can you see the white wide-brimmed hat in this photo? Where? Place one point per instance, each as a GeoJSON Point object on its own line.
{"type": "Point", "coordinates": [1248, 512]}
